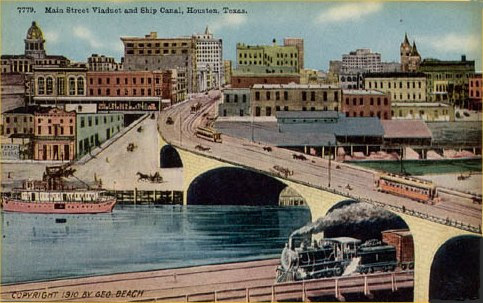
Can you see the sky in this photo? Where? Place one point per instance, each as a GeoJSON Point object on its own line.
{"type": "Point", "coordinates": [442, 30]}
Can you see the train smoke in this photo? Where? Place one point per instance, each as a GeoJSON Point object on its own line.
{"type": "Point", "coordinates": [350, 214]}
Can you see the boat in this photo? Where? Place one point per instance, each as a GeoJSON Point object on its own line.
{"type": "Point", "coordinates": [52, 196]}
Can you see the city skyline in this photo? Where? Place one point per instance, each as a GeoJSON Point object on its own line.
{"type": "Point", "coordinates": [329, 29]}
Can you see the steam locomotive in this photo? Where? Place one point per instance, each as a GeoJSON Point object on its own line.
{"type": "Point", "coordinates": [344, 255]}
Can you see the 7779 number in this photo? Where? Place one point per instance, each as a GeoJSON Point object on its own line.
{"type": "Point", "coordinates": [25, 9]}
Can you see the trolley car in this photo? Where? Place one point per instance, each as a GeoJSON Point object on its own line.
{"type": "Point", "coordinates": [413, 188]}
{"type": "Point", "coordinates": [208, 133]}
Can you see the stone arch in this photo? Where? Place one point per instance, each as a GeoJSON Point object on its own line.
{"type": "Point", "coordinates": [169, 157]}
{"type": "Point", "coordinates": [364, 230]}
{"type": "Point", "coordinates": [455, 270]}
{"type": "Point", "coordinates": [234, 186]}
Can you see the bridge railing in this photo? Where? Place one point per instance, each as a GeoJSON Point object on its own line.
{"type": "Point", "coordinates": [301, 290]}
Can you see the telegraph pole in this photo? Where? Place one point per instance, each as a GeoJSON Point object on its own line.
{"type": "Point", "coordinates": [251, 126]}
{"type": "Point", "coordinates": [330, 158]}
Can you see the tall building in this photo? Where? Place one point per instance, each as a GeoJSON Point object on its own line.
{"type": "Point", "coordinates": [209, 56]}
{"type": "Point", "coordinates": [267, 58]}
{"type": "Point", "coordinates": [448, 79]}
{"type": "Point", "coordinates": [410, 58]}
{"type": "Point", "coordinates": [362, 60]}
{"type": "Point", "coordinates": [299, 44]}
{"type": "Point", "coordinates": [34, 55]}
{"type": "Point", "coordinates": [153, 53]}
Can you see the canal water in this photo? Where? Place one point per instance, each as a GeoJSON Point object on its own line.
{"type": "Point", "coordinates": [141, 237]}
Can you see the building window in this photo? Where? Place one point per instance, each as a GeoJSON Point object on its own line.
{"type": "Point", "coordinates": [257, 111]}
{"type": "Point", "coordinates": [257, 96]}
{"type": "Point", "coordinates": [277, 96]}
{"type": "Point", "coordinates": [285, 95]}
{"type": "Point", "coordinates": [372, 101]}
{"type": "Point", "coordinates": [386, 102]}
{"type": "Point", "coordinates": [312, 96]}
{"type": "Point", "coordinates": [80, 86]}
{"type": "Point", "coordinates": [236, 98]}
{"type": "Point", "coordinates": [41, 86]}
{"type": "Point", "coordinates": [71, 86]}
{"type": "Point", "coordinates": [60, 86]}
{"type": "Point", "coordinates": [304, 96]}
{"type": "Point", "coordinates": [361, 101]}
{"type": "Point", "coordinates": [82, 122]}
{"type": "Point", "coordinates": [50, 85]}
{"type": "Point", "coordinates": [268, 111]}
{"type": "Point", "coordinates": [244, 98]}
{"type": "Point", "coordinates": [268, 95]}
{"type": "Point", "coordinates": [336, 96]}
{"type": "Point", "coordinates": [118, 81]}
{"type": "Point", "coordinates": [227, 98]}
{"type": "Point", "coordinates": [378, 101]}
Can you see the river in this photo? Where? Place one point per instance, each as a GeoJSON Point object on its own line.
{"type": "Point", "coordinates": [141, 237]}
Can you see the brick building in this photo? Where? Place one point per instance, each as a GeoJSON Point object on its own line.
{"type": "Point", "coordinates": [475, 92]}
{"type": "Point", "coordinates": [54, 131]}
{"type": "Point", "coordinates": [366, 103]}
{"type": "Point", "coordinates": [247, 80]}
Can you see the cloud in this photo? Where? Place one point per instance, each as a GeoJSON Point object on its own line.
{"type": "Point", "coordinates": [452, 43]}
{"type": "Point", "coordinates": [348, 12]}
{"type": "Point", "coordinates": [51, 37]}
{"type": "Point", "coordinates": [231, 20]}
{"type": "Point", "coordinates": [85, 34]}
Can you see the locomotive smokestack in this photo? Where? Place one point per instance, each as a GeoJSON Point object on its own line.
{"type": "Point", "coordinates": [353, 213]}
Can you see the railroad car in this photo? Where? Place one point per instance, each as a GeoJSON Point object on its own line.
{"type": "Point", "coordinates": [413, 188]}
{"type": "Point", "coordinates": [402, 240]}
{"type": "Point", "coordinates": [208, 133]}
{"type": "Point", "coordinates": [345, 255]}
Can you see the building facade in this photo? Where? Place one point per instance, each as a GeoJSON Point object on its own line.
{"type": "Point", "coordinates": [59, 81]}
{"type": "Point", "coordinates": [267, 99]}
{"type": "Point", "coordinates": [92, 129]}
{"type": "Point", "coordinates": [410, 58]}
{"type": "Point", "coordinates": [209, 54]}
{"type": "Point", "coordinates": [247, 80]}
{"type": "Point", "coordinates": [351, 80]}
{"type": "Point", "coordinates": [235, 102]}
{"type": "Point", "coordinates": [19, 121]}
{"type": "Point", "coordinates": [227, 65]}
{"type": "Point", "coordinates": [366, 103]}
{"type": "Point", "coordinates": [267, 58]}
{"type": "Point", "coordinates": [362, 60]}
{"type": "Point", "coordinates": [403, 87]}
{"type": "Point", "coordinates": [448, 80]}
{"type": "Point", "coordinates": [427, 111]}
{"type": "Point", "coordinates": [34, 55]}
{"type": "Point", "coordinates": [54, 131]}
{"type": "Point", "coordinates": [151, 53]}
{"type": "Point", "coordinates": [475, 92]}
{"type": "Point", "coordinates": [299, 44]}
{"type": "Point", "coordinates": [102, 63]}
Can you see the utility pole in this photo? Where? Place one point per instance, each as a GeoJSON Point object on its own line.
{"type": "Point", "coordinates": [251, 126]}
{"type": "Point", "coordinates": [330, 159]}
{"type": "Point", "coordinates": [180, 136]}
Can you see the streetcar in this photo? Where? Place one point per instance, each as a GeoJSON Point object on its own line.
{"type": "Point", "coordinates": [208, 133]}
{"type": "Point", "coordinates": [405, 186]}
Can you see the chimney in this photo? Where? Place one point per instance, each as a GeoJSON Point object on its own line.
{"type": "Point", "coordinates": [274, 41]}
{"type": "Point", "coordinates": [463, 58]}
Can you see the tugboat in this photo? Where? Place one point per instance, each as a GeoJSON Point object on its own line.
{"type": "Point", "coordinates": [52, 196]}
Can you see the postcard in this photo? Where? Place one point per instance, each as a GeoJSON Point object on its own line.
{"type": "Point", "coordinates": [241, 151]}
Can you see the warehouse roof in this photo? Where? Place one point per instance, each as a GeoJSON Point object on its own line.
{"type": "Point", "coordinates": [405, 129]}
{"type": "Point", "coordinates": [344, 126]}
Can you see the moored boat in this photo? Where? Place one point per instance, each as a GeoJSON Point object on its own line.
{"type": "Point", "coordinates": [51, 196]}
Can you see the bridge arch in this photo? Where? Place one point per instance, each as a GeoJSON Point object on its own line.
{"type": "Point", "coordinates": [169, 157]}
{"type": "Point", "coordinates": [234, 186]}
{"type": "Point", "coordinates": [455, 270]}
{"type": "Point", "coordinates": [365, 230]}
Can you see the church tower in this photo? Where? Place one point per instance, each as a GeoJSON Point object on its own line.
{"type": "Point", "coordinates": [34, 42]}
{"type": "Point", "coordinates": [405, 53]}
{"type": "Point", "coordinates": [414, 59]}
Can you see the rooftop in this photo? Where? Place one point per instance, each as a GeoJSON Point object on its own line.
{"type": "Point", "coordinates": [307, 114]}
{"type": "Point", "coordinates": [294, 86]}
{"type": "Point", "coordinates": [395, 75]}
{"type": "Point", "coordinates": [419, 104]}
{"type": "Point", "coordinates": [405, 129]}
{"type": "Point", "coordinates": [361, 92]}
{"type": "Point", "coordinates": [31, 109]}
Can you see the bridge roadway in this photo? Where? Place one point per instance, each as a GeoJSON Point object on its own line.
{"type": "Point", "coordinates": [313, 172]}
{"type": "Point", "coordinates": [232, 282]}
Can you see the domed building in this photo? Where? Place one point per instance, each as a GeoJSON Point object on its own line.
{"type": "Point", "coordinates": [34, 55]}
